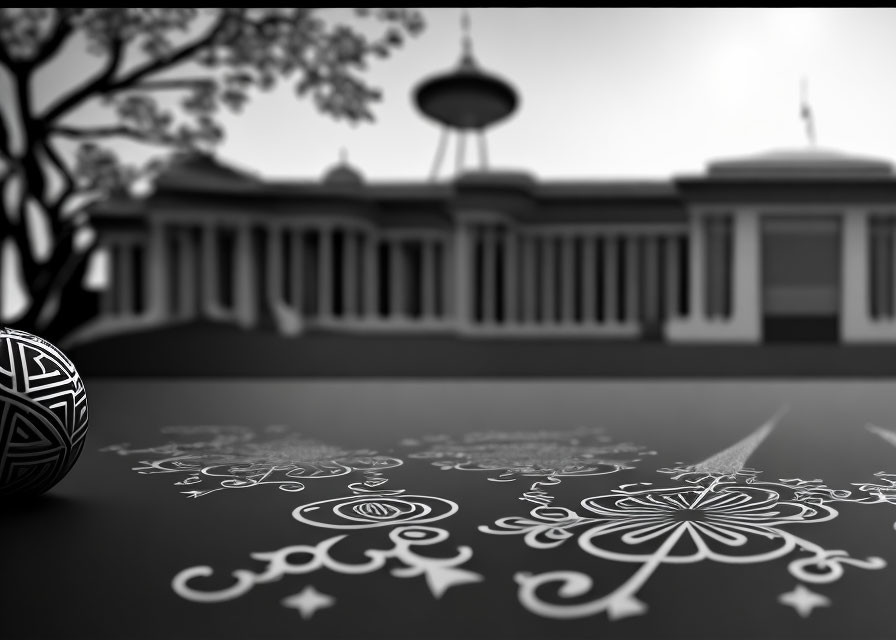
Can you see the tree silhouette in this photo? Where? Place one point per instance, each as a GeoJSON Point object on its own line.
{"type": "Point", "coordinates": [162, 76]}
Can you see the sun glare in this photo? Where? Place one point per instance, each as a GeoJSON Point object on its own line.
{"type": "Point", "coordinates": [795, 33]}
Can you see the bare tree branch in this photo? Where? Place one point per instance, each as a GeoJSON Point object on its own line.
{"type": "Point", "coordinates": [55, 208]}
{"type": "Point", "coordinates": [5, 59]}
{"type": "Point", "coordinates": [51, 45]}
{"type": "Point", "coordinates": [5, 150]}
{"type": "Point", "coordinates": [96, 85]}
{"type": "Point", "coordinates": [173, 84]}
{"type": "Point", "coordinates": [90, 133]}
{"type": "Point", "coordinates": [19, 232]}
{"type": "Point", "coordinates": [120, 131]}
{"type": "Point", "coordinates": [235, 51]}
{"type": "Point", "coordinates": [172, 59]}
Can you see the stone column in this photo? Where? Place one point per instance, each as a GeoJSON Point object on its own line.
{"type": "Point", "coordinates": [697, 289]}
{"type": "Point", "coordinates": [157, 276]}
{"type": "Point", "coordinates": [855, 286]}
{"type": "Point", "coordinates": [511, 313]}
{"type": "Point", "coordinates": [446, 258]}
{"type": "Point", "coordinates": [610, 280]}
{"type": "Point", "coordinates": [371, 277]}
{"type": "Point", "coordinates": [396, 280]}
{"type": "Point", "coordinates": [463, 256]}
{"type": "Point", "coordinates": [274, 266]}
{"type": "Point", "coordinates": [672, 277]}
{"type": "Point", "coordinates": [210, 284]}
{"type": "Point", "coordinates": [429, 284]}
{"type": "Point", "coordinates": [548, 299]}
{"type": "Point", "coordinates": [746, 303]}
{"type": "Point", "coordinates": [298, 272]}
{"type": "Point", "coordinates": [244, 294]}
{"type": "Point", "coordinates": [632, 280]}
{"type": "Point", "coordinates": [651, 286]}
{"type": "Point", "coordinates": [567, 277]}
{"type": "Point", "coordinates": [125, 280]}
{"type": "Point", "coordinates": [325, 275]}
{"type": "Point", "coordinates": [529, 298]}
{"type": "Point", "coordinates": [589, 286]}
{"type": "Point", "coordinates": [186, 249]}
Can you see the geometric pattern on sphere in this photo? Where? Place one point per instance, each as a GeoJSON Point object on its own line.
{"type": "Point", "coordinates": [43, 414]}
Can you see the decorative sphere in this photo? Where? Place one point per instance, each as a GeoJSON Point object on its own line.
{"type": "Point", "coordinates": [43, 414]}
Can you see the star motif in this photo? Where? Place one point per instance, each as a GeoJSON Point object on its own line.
{"type": "Point", "coordinates": [308, 601]}
{"type": "Point", "coordinates": [624, 607]}
{"type": "Point", "coordinates": [803, 600]}
{"type": "Point", "coordinates": [440, 579]}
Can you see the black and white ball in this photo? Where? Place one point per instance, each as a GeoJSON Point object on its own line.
{"type": "Point", "coordinates": [43, 414]}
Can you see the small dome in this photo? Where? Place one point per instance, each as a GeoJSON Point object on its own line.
{"type": "Point", "coordinates": [343, 174]}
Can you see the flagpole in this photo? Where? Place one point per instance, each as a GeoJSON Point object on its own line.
{"type": "Point", "coordinates": [806, 111]}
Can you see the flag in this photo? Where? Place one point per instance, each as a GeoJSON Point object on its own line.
{"type": "Point", "coordinates": [806, 113]}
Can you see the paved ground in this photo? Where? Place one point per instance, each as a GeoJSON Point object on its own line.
{"type": "Point", "coordinates": [209, 350]}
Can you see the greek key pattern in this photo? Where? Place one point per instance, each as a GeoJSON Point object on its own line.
{"type": "Point", "coordinates": [43, 414]}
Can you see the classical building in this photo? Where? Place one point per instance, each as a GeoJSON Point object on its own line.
{"type": "Point", "coordinates": [791, 244]}
{"type": "Point", "coordinates": [787, 245]}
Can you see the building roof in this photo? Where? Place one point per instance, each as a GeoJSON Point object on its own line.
{"type": "Point", "coordinates": [198, 171]}
{"type": "Point", "coordinates": [807, 162]}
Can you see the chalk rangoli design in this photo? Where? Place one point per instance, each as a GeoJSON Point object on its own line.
{"type": "Point", "coordinates": [440, 574]}
{"type": "Point", "coordinates": [308, 601]}
{"type": "Point", "coordinates": [234, 459]}
{"type": "Point", "coordinates": [578, 452]}
{"type": "Point", "coordinates": [376, 510]}
{"type": "Point", "coordinates": [882, 491]}
{"type": "Point", "coordinates": [720, 513]}
{"type": "Point", "coordinates": [43, 413]}
{"type": "Point", "coordinates": [717, 510]}
{"type": "Point", "coordinates": [550, 456]}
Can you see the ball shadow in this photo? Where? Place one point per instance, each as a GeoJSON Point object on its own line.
{"type": "Point", "coordinates": [43, 504]}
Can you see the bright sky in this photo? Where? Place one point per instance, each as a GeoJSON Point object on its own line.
{"type": "Point", "coordinates": [612, 92]}
{"type": "Point", "coordinates": [605, 93]}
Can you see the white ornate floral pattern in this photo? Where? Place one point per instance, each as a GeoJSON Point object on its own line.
{"type": "Point", "coordinates": [440, 573]}
{"type": "Point", "coordinates": [234, 459]}
{"type": "Point", "coordinates": [544, 454]}
{"type": "Point", "coordinates": [724, 522]}
{"type": "Point", "coordinates": [381, 509]}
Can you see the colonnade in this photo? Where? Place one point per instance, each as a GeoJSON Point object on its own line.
{"type": "Point", "coordinates": [570, 278]}
{"type": "Point", "coordinates": [327, 275]}
{"type": "Point", "coordinates": [355, 276]}
{"type": "Point", "coordinates": [696, 281]}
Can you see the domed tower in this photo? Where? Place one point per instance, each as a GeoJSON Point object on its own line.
{"type": "Point", "coordinates": [467, 100]}
{"type": "Point", "coordinates": [343, 174]}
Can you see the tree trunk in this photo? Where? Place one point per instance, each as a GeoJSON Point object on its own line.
{"type": "Point", "coordinates": [62, 279]}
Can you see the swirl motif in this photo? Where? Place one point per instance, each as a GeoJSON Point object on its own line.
{"type": "Point", "coordinates": [233, 459]}
{"type": "Point", "coordinates": [541, 454]}
{"type": "Point", "coordinates": [721, 522]}
{"type": "Point", "coordinates": [376, 510]}
{"type": "Point", "coordinates": [440, 573]}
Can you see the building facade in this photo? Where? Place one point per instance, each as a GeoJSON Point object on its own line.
{"type": "Point", "coordinates": [789, 245]}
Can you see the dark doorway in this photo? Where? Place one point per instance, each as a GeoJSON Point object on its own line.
{"type": "Point", "coordinates": [801, 278]}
